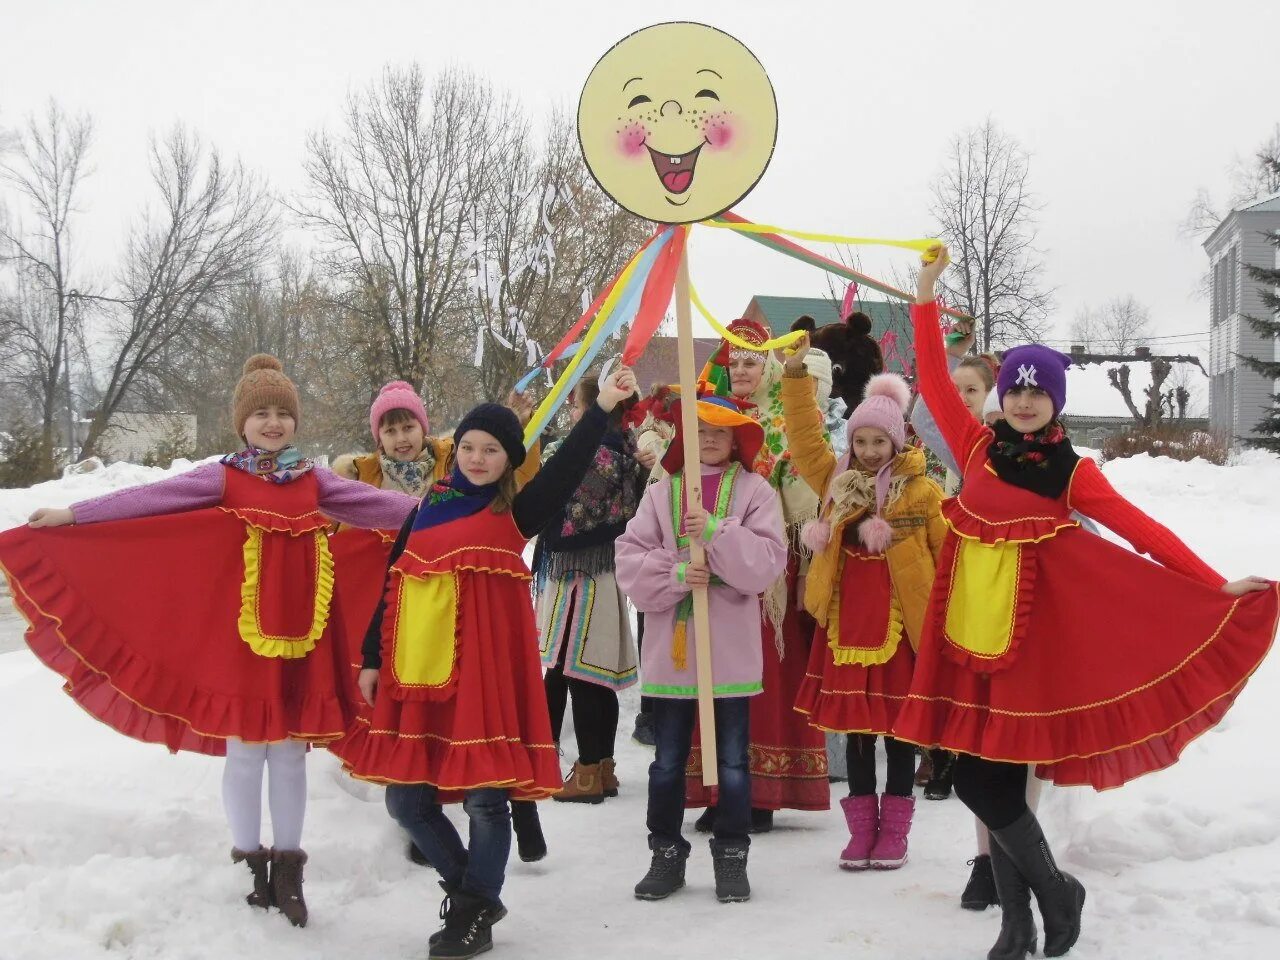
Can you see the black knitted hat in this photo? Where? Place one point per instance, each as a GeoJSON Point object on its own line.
{"type": "Point", "coordinates": [501, 423]}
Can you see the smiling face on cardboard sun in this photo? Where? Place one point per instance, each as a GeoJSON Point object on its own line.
{"type": "Point", "coordinates": [677, 122]}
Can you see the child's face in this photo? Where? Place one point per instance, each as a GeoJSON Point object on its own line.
{"type": "Point", "coordinates": [745, 373]}
{"type": "Point", "coordinates": [973, 389]}
{"type": "Point", "coordinates": [715, 444]}
{"type": "Point", "coordinates": [578, 407]}
{"type": "Point", "coordinates": [480, 457]}
{"type": "Point", "coordinates": [1027, 409]}
{"type": "Point", "coordinates": [402, 441]}
{"type": "Point", "coordinates": [872, 448]}
{"type": "Point", "coordinates": [270, 429]}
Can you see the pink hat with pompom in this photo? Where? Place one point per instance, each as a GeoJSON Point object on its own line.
{"type": "Point", "coordinates": [397, 395]}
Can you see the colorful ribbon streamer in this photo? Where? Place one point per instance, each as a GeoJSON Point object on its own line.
{"type": "Point", "coordinates": [777, 343]}
{"type": "Point", "coordinates": [656, 298]}
{"type": "Point", "coordinates": [925, 245]}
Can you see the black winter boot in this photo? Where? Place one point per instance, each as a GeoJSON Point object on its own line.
{"type": "Point", "coordinates": [1060, 895]}
{"type": "Point", "coordinates": [1017, 938]}
{"type": "Point", "coordinates": [666, 872]}
{"type": "Point", "coordinates": [761, 820]}
{"type": "Point", "coordinates": [707, 821]}
{"type": "Point", "coordinates": [729, 859]}
{"type": "Point", "coordinates": [467, 927]}
{"type": "Point", "coordinates": [496, 910]}
{"type": "Point", "coordinates": [530, 843]}
{"type": "Point", "coordinates": [938, 787]}
{"type": "Point", "coordinates": [257, 861]}
{"type": "Point", "coordinates": [980, 891]}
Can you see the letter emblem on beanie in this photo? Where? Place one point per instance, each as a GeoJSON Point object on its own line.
{"type": "Point", "coordinates": [1027, 376]}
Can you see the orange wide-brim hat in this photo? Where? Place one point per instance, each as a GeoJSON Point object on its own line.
{"type": "Point", "coordinates": [748, 435]}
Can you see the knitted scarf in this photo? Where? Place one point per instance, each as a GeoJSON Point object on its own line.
{"type": "Point", "coordinates": [1041, 462]}
{"type": "Point", "coordinates": [411, 476]}
{"type": "Point", "coordinates": [452, 499]}
{"type": "Point", "coordinates": [277, 466]}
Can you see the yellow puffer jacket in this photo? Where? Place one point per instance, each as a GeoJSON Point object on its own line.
{"type": "Point", "coordinates": [912, 509]}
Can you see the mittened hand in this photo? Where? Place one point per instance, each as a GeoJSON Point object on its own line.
{"type": "Point", "coordinates": [51, 517]}
{"type": "Point", "coordinates": [1239, 588]}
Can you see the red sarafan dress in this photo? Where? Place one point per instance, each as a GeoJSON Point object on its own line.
{"type": "Point", "coordinates": [184, 629]}
{"type": "Point", "coordinates": [1046, 644]}
{"type": "Point", "coordinates": [460, 701]}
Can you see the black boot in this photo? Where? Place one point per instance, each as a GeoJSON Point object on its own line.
{"type": "Point", "coordinates": [707, 821]}
{"type": "Point", "coordinates": [939, 785]}
{"type": "Point", "coordinates": [761, 820]}
{"type": "Point", "coordinates": [666, 872]}
{"type": "Point", "coordinates": [980, 891]}
{"type": "Point", "coordinates": [1017, 938]}
{"type": "Point", "coordinates": [496, 910]}
{"type": "Point", "coordinates": [1060, 895]}
{"type": "Point", "coordinates": [416, 855]}
{"type": "Point", "coordinates": [467, 927]}
{"type": "Point", "coordinates": [729, 860]}
{"type": "Point", "coordinates": [530, 843]}
{"type": "Point", "coordinates": [643, 733]}
{"type": "Point", "coordinates": [257, 861]}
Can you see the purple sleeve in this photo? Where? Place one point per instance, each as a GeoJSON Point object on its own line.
{"type": "Point", "coordinates": [646, 565]}
{"type": "Point", "coordinates": [747, 551]}
{"type": "Point", "coordinates": [360, 504]}
{"type": "Point", "coordinates": [193, 490]}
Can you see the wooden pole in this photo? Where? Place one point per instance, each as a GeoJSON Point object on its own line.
{"type": "Point", "coordinates": [693, 494]}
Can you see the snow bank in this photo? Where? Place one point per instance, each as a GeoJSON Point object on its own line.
{"type": "Point", "coordinates": [109, 848]}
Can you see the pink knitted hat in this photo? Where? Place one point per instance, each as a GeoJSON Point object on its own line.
{"type": "Point", "coordinates": [397, 395]}
{"type": "Point", "coordinates": [885, 407]}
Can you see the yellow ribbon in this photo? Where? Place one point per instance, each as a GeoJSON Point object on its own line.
{"type": "Point", "coordinates": [777, 343]}
{"type": "Point", "coordinates": [923, 246]}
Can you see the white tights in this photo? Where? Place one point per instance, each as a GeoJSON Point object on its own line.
{"type": "Point", "coordinates": [286, 761]}
{"type": "Point", "coordinates": [1033, 801]}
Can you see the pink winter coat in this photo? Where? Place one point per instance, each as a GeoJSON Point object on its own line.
{"type": "Point", "coordinates": [745, 549]}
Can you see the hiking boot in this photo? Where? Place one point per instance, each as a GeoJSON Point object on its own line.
{"type": "Point", "coordinates": [582, 785]}
{"type": "Point", "coordinates": [729, 860]}
{"type": "Point", "coordinates": [531, 845]}
{"type": "Point", "coordinates": [467, 928]}
{"type": "Point", "coordinates": [862, 814]}
{"type": "Point", "coordinates": [666, 872]}
{"type": "Point", "coordinates": [980, 891]}
{"type": "Point", "coordinates": [496, 910]}
{"type": "Point", "coordinates": [1060, 895]}
{"type": "Point", "coordinates": [890, 851]}
{"type": "Point", "coordinates": [286, 884]}
{"type": "Point", "coordinates": [257, 861]}
{"type": "Point", "coordinates": [608, 777]}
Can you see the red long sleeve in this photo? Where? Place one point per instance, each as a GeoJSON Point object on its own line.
{"type": "Point", "coordinates": [1092, 494]}
{"type": "Point", "coordinates": [956, 424]}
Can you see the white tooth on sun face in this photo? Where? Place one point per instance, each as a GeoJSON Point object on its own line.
{"type": "Point", "coordinates": [676, 160]}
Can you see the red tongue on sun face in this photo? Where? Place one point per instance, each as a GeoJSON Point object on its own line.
{"type": "Point", "coordinates": [675, 172]}
{"type": "Point", "coordinates": [677, 181]}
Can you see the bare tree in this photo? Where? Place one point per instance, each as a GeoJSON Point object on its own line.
{"type": "Point", "coordinates": [394, 195]}
{"type": "Point", "coordinates": [1117, 327]}
{"type": "Point", "coordinates": [212, 228]}
{"type": "Point", "coordinates": [1257, 175]}
{"type": "Point", "coordinates": [42, 307]}
{"type": "Point", "coordinates": [986, 213]}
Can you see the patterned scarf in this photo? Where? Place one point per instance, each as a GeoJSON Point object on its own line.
{"type": "Point", "coordinates": [452, 499]}
{"type": "Point", "coordinates": [411, 476]}
{"type": "Point", "coordinates": [277, 466]}
{"type": "Point", "coordinates": [1041, 462]}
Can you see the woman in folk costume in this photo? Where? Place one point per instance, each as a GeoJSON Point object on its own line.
{"type": "Point", "coordinates": [875, 544]}
{"type": "Point", "coordinates": [587, 645]}
{"type": "Point", "coordinates": [224, 637]}
{"type": "Point", "coordinates": [456, 709]}
{"type": "Point", "coordinates": [1012, 668]}
{"type": "Point", "coordinates": [788, 756]}
{"type": "Point", "coordinates": [739, 526]}
{"type": "Point", "coordinates": [410, 460]}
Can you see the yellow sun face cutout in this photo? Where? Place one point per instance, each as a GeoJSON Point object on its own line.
{"type": "Point", "coordinates": [677, 122]}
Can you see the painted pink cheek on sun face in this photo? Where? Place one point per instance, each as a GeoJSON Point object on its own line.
{"type": "Point", "coordinates": [631, 139]}
{"type": "Point", "coordinates": [720, 131]}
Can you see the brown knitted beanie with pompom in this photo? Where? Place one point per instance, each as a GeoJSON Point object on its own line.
{"type": "Point", "coordinates": [263, 385]}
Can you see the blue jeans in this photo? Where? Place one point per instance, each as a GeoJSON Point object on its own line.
{"type": "Point", "coordinates": [481, 866]}
{"type": "Point", "coordinates": [673, 730]}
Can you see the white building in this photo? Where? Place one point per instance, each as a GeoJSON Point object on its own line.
{"type": "Point", "coordinates": [1238, 397]}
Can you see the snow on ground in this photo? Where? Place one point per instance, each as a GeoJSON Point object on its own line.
{"type": "Point", "coordinates": [112, 849]}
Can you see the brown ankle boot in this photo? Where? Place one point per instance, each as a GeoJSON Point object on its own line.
{"type": "Point", "coordinates": [257, 860]}
{"type": "Point", "coordinates": [286, 884]}
{"type": "Point", "coordinates": [582, 785]}
{"type": "Point", "coordinates": [608, 779]}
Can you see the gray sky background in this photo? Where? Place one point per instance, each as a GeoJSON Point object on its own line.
{"type": "Point", "coordinates": [1126, 107]}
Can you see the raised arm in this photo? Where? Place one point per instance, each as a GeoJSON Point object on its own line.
{"type": "Point", "coordinates": [804, 424]}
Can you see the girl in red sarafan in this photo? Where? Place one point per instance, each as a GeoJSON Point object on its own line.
{"type": "Point", "coordinates": [451, 673]}
{"type": "Point", "coordinates": [1011, 671]}
{"type": "Point", "coordinates": [202, 617]}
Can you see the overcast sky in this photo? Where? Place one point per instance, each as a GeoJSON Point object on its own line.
{"type": "Point", "coordinates": [1126, 108]}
